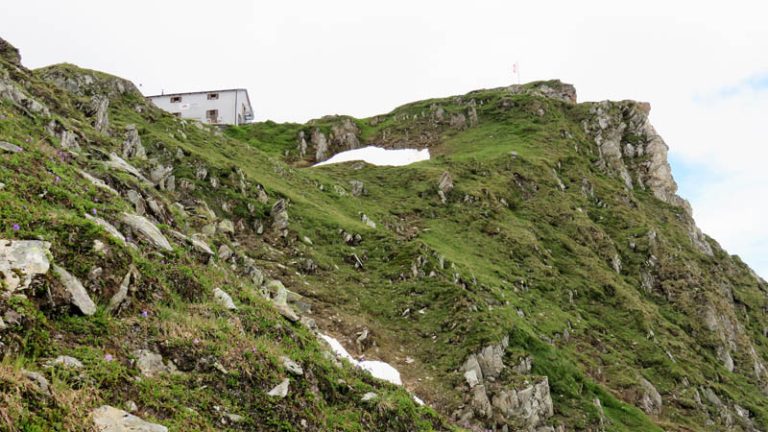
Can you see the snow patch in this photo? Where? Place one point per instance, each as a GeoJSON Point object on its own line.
{"type": "Point", "coordinates": [379, 156]}
{"type": "Point", "coordinates": [378, 369]}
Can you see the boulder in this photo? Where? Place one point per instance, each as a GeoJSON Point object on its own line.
{"type": "Point", "coordinates": [38, 380]}
{"type": "Point", "coordinates": [118, 163]}
{"type": "Point", "coordinates": [650, 400]}
{"type": "Point", "coordinates": [224, 299]}
{"type": "Point", "coordinates": [226, 226]}
{"type": "Point", "coordinates": [151, 364]}
{"type": "Point", "coordinates": [78, 295]}
{"type": "Point", "coordinates": [280, 390]}
{"type": "Point", "coordinates": [291, 366]}
{"type": "Point", "coordinates": [147, 230]}
{"type": "Point", "coordinates": [529, 403]}
{"type": "Point", "coordinates": [65, 361]}
{"type": "Point", "coordinates": [358, 187]}
{"type": "Point", "coordinates": [111, 419]}
{"type": "Point", "coordinates": [279, 215]}
{"type": "Point", "coordinates": [21, 261]}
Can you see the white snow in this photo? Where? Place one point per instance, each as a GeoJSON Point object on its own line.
{"type": "Point", "coordinates": [379, 156]}
{"type": "Point", "coordinates": [382, 371]}
{"type": "Point", "coordinates": [379, 369]}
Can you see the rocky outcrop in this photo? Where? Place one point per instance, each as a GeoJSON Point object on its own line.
{"type": "Point", "coordinates": [108, 227]}
{"type": "Point", "coordinates": [21, 261]}
{"type": "Point", "coordinates": [224, 299]}
{"type": "Point", "coordinates": [111, 419]}
{"type": "Point", "coordinates": [279, 215]}
{"type": "Point", "coordinates": [132, 147]}
{"type": "Point", "coordinates": [10, 52]}
{"type": "Point", "coordinates": [524, 403]}
{"type": "Point", "coordinates": [344, 135]}
{"type": "Point", "coordinates": [444, 186]}
{"type": "Point", "coordinates": [100, 112]}
{"type": "Point", "coordinates": [549, 89]}
{"type": "Point", "coordinates": [320, 143]}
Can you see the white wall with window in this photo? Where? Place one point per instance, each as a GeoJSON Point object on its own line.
{"type": "Point", "coordinates": [231, 106]}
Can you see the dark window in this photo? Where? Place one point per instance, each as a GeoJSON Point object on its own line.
{"type": "Point", "coordinates": [212, 116]}
{"type": "Point", "coordinates": [175, 99]}
{"type": "Point", "coordinates": [213, 96]}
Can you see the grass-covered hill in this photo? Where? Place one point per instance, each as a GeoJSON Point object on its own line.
{"type": "Point", "coordinates": [538, 273]}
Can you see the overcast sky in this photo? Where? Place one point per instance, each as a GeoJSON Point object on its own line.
{"type": "Point", "coordinates": [702, 65]}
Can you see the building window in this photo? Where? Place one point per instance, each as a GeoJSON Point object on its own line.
{"type": "Point", "coordinates": [212, 116]}
{"type": "Point", "coordinates": [175, 99]}
{"type": "Point", "coordinates": [213, 96]}
{"type": "Point", "coordinates": [176, 114]}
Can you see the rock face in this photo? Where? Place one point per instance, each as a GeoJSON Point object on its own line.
{"type": "Point", "coordinates": [100, 109]}
{"type": "Point", "coordinates": [524, 404]}
{"type": "Point", "coordinates": [650, 401]}
{"type": "Point", "coordinates": [10, 148]}
{"type": "Point", "coordinates": [320, 142]}
{"type": "Point", "coordinates": [630, 148]}
{"type": "Point", "coordinates": [111, 419]}
{"type": "Point", "coordinates": [21, 261]}
{"type": "Point", "coordinates": [344, 135]}
{"type": "Point", "coordinates": [77, 293]}
{"type": "Point", "coordinates": [132, 147]}
{"type": "Point", "coordinates": [147, 230]}
{"type": "Point", "coordinates": [444, 186]}
{"type": "Point", "coordinates": [279, 215]}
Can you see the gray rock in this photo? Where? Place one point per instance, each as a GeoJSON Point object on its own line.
{"type": "Point", "coordinates": [147, 230]}
{"type": "Point", "coordinates": [132, 147]}
{"type": "Point", "coordinates": [530, 403]}
{"type": "Point", "coordinates": [366, 220]}
{"type": "Point", "coordinates": [110, 419]}
{"type": "Point", "coordinates": [122, 293]}
{"type": "Point", "coordinates": [552, 90]}
{"type": "Point", "coordinates": [650, 400]}
{"type": "Point", "coordinates": [491, 360]}
{"type": "Point", "coordinates": [138, 201]}
{"type": "Point", "coordinates": [151, 364]}
{"type": "Point", "coordinates": [291, 366]}
{"type": "Point", "coordinates": [344, 135]}
{"type": "Point", "coordinates": [38, 380]}
{"type": "Point", "coordinates": [369, 397]}
{"type": "Point", "coordinates": [224, 299]}
{"type": "Point", "coordinates": [10, 148]}
{"type": "Point", "coordinates": [69, 141]}
{"type": "Point", "coordinates": [100, 109]}
{"type": "Point", "coordinates": [226, 226]}
{"type": "Point", "coordinates": [358, 187]}
{"type": "Point", "coordinates": [97, 182]}
{"type": "Point", "coordinates": [66, 361]}
{"type": "Point", "coordinates": [279, 215]}
{"type": "Point", "coordinates": [225, 252]}
{"type": "Point", "coordinates": [280, 390]}
{"type": "Point", "coordinates": [78, 295]}
{"type": "Point", "coordinates": [159, 173]}
{"type": "Point", "coordinates": [22, 260]}
{"type": "Point", "coordinates": [118, 163]}
{"type": "Point", "coordinates": [301, 144]}
{"type": "Point", "coordinates": [108, 227]}
{"type": "Point", "coordinates": [320, 143]}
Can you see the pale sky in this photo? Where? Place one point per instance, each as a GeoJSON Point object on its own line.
{"type": "Point", "coordinates": [702, 65]}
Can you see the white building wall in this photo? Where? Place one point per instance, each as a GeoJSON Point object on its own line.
{"type": "Point", "coordinates": [232, 106]}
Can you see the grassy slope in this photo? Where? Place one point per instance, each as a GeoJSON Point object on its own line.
{"type": "Point", "coordinates": [526, 255]}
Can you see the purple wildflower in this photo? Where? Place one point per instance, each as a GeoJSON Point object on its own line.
{"type": "Point", "coordinates": [196, 341]}
{"type": "Point", "coordinates": [144, 314]}
{"type": "Point", "coordinates": [108, 357]}
{"type": "Point", "coordinates": [16, 227]}
{"type": "Point", "coordinates": [57, 179]}
{"type": "Point", "coordinates": [93, 211]}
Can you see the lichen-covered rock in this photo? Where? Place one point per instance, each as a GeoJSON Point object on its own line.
{"type": "Point", "coordinates": [147, 230]}
{"type": "Point", "coordinates": [650, 399]}
{"type": "Point", "coordinates": [279, 215]}
{"type": "Point", "coordinates": [132, 147]}
{"type": "Point", "coordinates": [280, 390]}
{"type": "Point", "coordinates": [151, 364]}
{"type": "Point", "coordinates": [224, 299]}
{"type": "Point", "coordinates": [100, 110]}
{"type": "Point", "coordinates": [320, 142]}
{"type": "Point", "coordinates": [108, 227]}
{"type": "Point", "coordinates": [21, 261]}
{"type": "Point", "coordinates": [111, 419]}
{"type": "Point", "coordinates": [78, 295]}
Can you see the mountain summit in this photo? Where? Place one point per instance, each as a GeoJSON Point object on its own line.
{"type": "Point", "coordinates": [538, 273]}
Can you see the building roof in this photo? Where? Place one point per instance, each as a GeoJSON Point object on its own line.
{"type": "Point", "coordinates": [198, 92]}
